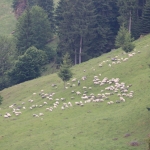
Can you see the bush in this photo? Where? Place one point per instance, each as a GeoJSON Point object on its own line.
{"type": "Point", "coordinates": [124, 40]}
{"type": "Point", "coordinates": [128, 47]}
{"type": "Point", "coordinates": [1, 99]}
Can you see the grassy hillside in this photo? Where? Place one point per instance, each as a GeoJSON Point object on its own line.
{"type": "Point", "coordinates": [94, 126]}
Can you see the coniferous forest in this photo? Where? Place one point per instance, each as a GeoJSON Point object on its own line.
{"type": "Point", "coordinates": [85, 29]}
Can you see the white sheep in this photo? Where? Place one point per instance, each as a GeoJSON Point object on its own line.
{"type": "Point", "coordinates": [41, 114]}
{"type": "Point", "coordinates": [62, 108]}
{"type": "Point", "coordinates": [24, 107]}
{"type": "Point", "coordinates": [5, 116]}
{"type": "Point", "coordinates": [78, 93]}
{"type": "Point", "coordinates": [8, 114]}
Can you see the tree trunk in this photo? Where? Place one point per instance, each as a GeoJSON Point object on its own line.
{"type": "Point", "coordinates": [130, 22]}
{"type": "Point", "coordinates": [75, 57]}
{"type": "Point", "coordinates": [80, 50]}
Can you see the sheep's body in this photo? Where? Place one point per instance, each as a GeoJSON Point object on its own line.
{"type": "Point", "coordinates": [41, 114]}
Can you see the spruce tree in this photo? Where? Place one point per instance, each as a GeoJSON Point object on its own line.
{"type": "Point", "coordinates": [41, 29]}
{"type": "Point", "coordinates": [23, 32]}
{"type": "Point", "coordinates": [65, 73]}
{"type": "Point", "coordinates": [107, 25]}
{"type": "Point", "coordinates": [48, 6]}
{"type": "Point", "coordinates": [146, 19]}
{"type": "Point", "coordinates": [76, 20]}
{"type": "Point", "coordinates": [124, 40]}
{"type": "Point", "coordinates": [32, 29]}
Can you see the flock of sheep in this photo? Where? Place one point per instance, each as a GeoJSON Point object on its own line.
{"type": "Point", "coordinates": [112, 86]}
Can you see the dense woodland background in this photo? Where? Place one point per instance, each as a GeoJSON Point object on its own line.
{"type": "Point", "coordinates": [82, 28]}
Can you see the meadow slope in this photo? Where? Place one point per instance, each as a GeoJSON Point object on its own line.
{"type": "Point", "coordinates": [94, 126]}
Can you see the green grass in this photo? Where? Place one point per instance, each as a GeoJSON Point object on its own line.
{"type": "Point", "coordinates": [96, 126]}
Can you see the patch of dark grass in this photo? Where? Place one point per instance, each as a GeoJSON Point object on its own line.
{"type": "Point", "coordinates": [127, 135]}
{"type": "Point", "coordinates": [134, 143]}
{"type": "Point", "coordinates": [115, 139]}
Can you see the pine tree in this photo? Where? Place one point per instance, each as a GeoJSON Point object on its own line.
{"type": "Point", "coordinates": [48, 6]}
{"type": "Point", "coordinates": [32, 29]}
{"type": "Point", "coordinates": [107, 25]}
{"type": "Point", "coordinates": [23, 32]}
{"type": "Point", "coordinates": [124, 40]}
{"type": "Point", "coordinates": [126, 9]}
{"type": "Point", "coordinates": [76, 26]}
{"type": "Point", "coordinates": [41, 29]}
{"type": "Point", "coordinates": [146, 18]}
{"type": "Point", "coordinates": [65, 73]}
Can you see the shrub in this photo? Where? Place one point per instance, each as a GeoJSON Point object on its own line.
{"type": "Point", "coordinates": [124, 40]}
{"type": "Point", "coordinates": [1, 99]}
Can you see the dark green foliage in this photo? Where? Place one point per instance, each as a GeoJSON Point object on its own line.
{"type": "Point", "coordinates": [65, 73]}
{"type": "Point", "coordinates": [48, 6]}
{"type": "Point", "coordinates": [75, 22]}
{"type": "Point", "coordinates": [32, 29]}
{"type": "Point", "coordinates": [7, 56]}
{"type": "Point", "coordinates": [86, 29]}
{"type": "Point", "coordinates": [146, 19]}
{"type": "Point", "coordinates": [28, 66]}
{"type": "Point", "coordinates": [51, 53]}
{"type": "Point", "coordinates": [41, 30]}
{"type": "Point", "coordinates": [1, 99]}
{"type": "Point", "coordinates": [107, 25]}
{"type": "Point", "coordinates": [15, 4]}
{"type": "Point", "coordinates": [23, 32]}
{"type": "Point", "coordinates": [124, 40]}
{"type": "Point", "coordinates": [130, 14]}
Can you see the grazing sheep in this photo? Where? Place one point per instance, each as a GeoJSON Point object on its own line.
{"type": "Point", "coordinates": [73, 80]}
{"type": "Point", "coordinates": [117, 101]}
{"type": "Point", "coordinates": [41, 114]}
{"type": "Point", "coordinates": [84, 87]}
{"type": "Point", "coordinates": [45, 103]}
{"type": "Point", "coordinates": [54, 85]}
{"type": "Point", "coordinates": [81, 104]}
{"type": "Point", "coordinates": [77, 103]}
{"type": "Point", "coordinates": [5, 116]}
{"type": "Point", "coordinates": [47, 108]}
{"type": "Point", "coordinates": [62, 99]}
{"type": "Point", "coordinates": [78, 93]}
{"type": "Point", "coordinates": [62, 108]}
{"type": "Point", "coordinates": [8, 114]}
